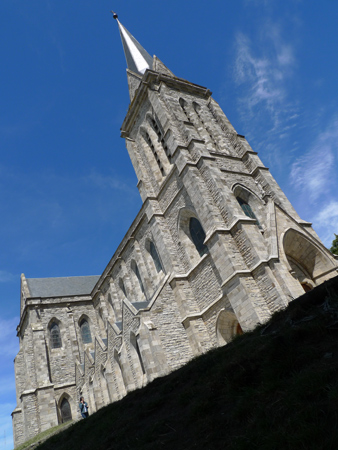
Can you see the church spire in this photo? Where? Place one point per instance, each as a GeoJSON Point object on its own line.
{"type": "Point", "coordinates": [138, 59]}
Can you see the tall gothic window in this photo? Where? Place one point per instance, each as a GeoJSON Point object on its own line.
{"type": "Point", "coordinates": [55, 335]}
{"type": "Point", "coordinates": [85, 332]}
{"type": "Point", "coordinates": [66, 413]}
{"type": "Point", "coordinates": [197, 109]}
{"type": "Point", "coordinates": [198, 236]}
{"type": "Point", "coordinates": [247, 210]}
{"type": "Point", "coordinates": [156, 258]}
{"type": "Point", "coordinates": [152, 148]}
{"type": "Point", "coordinates": [160, 136]}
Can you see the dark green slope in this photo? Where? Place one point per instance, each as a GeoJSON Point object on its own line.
{"type": "Point", "coordinates": [273, 388]}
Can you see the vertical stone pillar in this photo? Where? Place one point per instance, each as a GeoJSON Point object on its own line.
{"type": "Point", "coordinates": [47, 407]}
{"type": "Point", "coordinates": [196, 330]}
{"type": "Point", "coordinates": [45, 399]}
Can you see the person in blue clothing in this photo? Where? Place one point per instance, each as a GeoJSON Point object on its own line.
{"type": "Point", "coordinates": [83, 408]}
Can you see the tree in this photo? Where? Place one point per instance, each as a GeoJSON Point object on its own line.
{"type": "Point", "coordinates": [334, 248]}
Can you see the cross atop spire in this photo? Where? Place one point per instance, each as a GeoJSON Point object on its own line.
{"type": "Point", "coordinates": [138, 59]}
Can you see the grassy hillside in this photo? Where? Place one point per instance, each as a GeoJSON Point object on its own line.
{"type": "Point", "coordinates": [273, 388]}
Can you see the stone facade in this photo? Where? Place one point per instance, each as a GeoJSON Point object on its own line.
{"type": "Point", "coordinates": [216, 249]}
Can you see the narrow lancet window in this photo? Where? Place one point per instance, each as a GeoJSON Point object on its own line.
{"type": "Point", "coordinates": [85, 332]}
{"type": "Point", "coordinates": [209, 137]}
{"type": "Point", "coordinates": [160, 137]}
{"type": "Point", "coordinates": [247, 210]}
{"type": "Point", "coordinates": [55, 335]}
{"type": "Point", "coordinates": [156, 258]}
{"type": "Point", "coordinates": [152, 148]}
{"type": "Point", "coordinates": [198, 236]}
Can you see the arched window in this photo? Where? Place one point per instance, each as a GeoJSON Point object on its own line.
{"type": "Point", "coordinates": [152, 148]}
{"type": "Point", "coordinates": [247, 210]}
{"type": "Point", "coordinates": [158, 130]}
{"type": "Point", "coordinates": [197, 235]}
{"type": "Point", "coordinates": [85, 332]}
{"type": "Point", "coordinates": [55, 335]}
{"type": "Point", "coordinates": [207, 134]}
{"type": "Point", "coordinates": [183, 104]}
{"type": "Point", "coordinates": [66, 413]}
{"type": "Point", "coordinates": [138, 276]}
{"type": "Point", "coordinates": [156, 258]}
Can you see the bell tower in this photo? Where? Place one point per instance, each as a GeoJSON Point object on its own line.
{"type": "Point", "coordinates": [210, 194]}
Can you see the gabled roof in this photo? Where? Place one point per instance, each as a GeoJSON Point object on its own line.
{"type": "Point", "coordinates": [61, 287]}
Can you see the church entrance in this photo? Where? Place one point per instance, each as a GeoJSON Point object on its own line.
{"type": "Point", "coordinates": [307, 287]}
{"type": "Point", "coordinates": [306, 260]}
{"type": "Point", "coordinates": [66, 413]}
{"type": "Point", "coordinates": [227, 327]}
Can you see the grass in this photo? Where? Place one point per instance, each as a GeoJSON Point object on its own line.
{"type": "Point", "coordinates": [43, 436]}
{"type": "Point", "coordinates": [273, 388]}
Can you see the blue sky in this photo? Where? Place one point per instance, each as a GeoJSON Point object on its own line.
{"type": "Point", "coordinates": [68, 190]}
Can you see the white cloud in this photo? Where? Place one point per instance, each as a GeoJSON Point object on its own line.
{"type": "Point", "coordinates": [111, 182]}
{"type": "Point", "coordinates": [263, 67]}
{"type": "Point", "coordinates": [315, 172]}
{"type": "Point", "coordinates": [262, 75]}
{"type": "Point", "coordinates": [326, 221]}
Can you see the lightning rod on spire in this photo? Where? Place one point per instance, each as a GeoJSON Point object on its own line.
{"type": "Point", "coordinates": [114, 14]}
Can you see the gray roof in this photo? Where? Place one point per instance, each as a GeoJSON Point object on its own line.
{"type": "Point", "coordinates": [61, 287]}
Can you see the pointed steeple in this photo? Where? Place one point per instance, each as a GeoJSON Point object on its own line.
{"type": "Point", "coordinates": [138, 59]}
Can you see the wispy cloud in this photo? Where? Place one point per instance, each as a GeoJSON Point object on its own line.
{"type": "Point", "coordinates": [264, 65]}
{"type": "Point", "coordinates": [314, 172]}
{"type": "Point", "coordinates": [326, 222]}
{"type": "Point", "coordinates": [111, 182]}
{"type": "Point", "coordinates": [261, 73]}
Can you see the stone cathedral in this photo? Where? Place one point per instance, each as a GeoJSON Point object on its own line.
{"type": "Point", "coordinates": [215, 249]}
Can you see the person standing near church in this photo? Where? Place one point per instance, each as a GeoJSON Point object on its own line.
{"type": "Point", "coordinates": [83, 408]}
